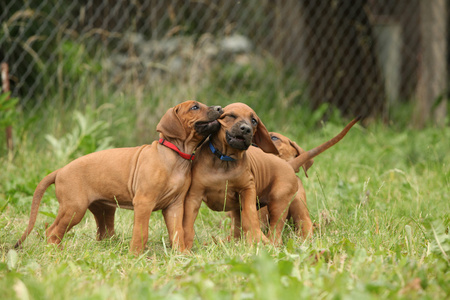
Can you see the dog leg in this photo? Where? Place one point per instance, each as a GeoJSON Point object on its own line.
{"type": "Point", "coordinates": [300, 216]}
{"type": "Point", "coordinates": [249, 217]}
{"type": "Point", "coordinates": [298, 210]}
{"type": "Point", "coordinates": [104, 217]}
{"type": "Point", "coordinates": [236, 224]}
{"type": "Point", "coordinates": [173, 216]}
{"type": "Point", "coordinates": [306, 225]}
{"type": "Point", "coordinates": [277, 216]}
{"type": "Point", "coordinates": [68, 216]}
{"type": "Point", "coordinates": [143, 207]}
{"type": "Point", "coordinates": [191, 206]}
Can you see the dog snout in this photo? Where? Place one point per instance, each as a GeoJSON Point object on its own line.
{"type": "Point", "coordinates": [245, 129]}
{"type": "Point", "coordinates": [214, 112]}
{"type": "Point", "coordinates": [217, 108]}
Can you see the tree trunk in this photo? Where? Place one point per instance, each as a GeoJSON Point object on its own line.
{"type": "Point", "coordinates": [432, 64]}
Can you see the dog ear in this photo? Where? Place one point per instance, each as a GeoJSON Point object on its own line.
{"type": "Point", "coordinates": [308, 163]}
{"type": "Point", "coordinates": [171, 126]}
{"type": "Point", "coordinates": [263, 140]}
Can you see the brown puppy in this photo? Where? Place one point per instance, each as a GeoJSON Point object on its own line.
{"type": "Point", "coordinates": [229, 176]}
{"type": "Point", "coordinates": [145, 178]}
{"type": "Point", "coordinates": [298, 210]}
{"type": "Point", "coordinates": [297, 157]}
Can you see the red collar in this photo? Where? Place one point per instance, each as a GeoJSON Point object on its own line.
{"type": "Point", "coordinates": [175, 148]}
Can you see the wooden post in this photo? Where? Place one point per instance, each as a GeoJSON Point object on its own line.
{"type": "Point", "coordinates": [433, 73]}
{"type": "Point", "coordinates": [5, 89]}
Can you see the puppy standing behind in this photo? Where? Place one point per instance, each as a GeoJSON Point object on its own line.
{"type": "Point", "coordinates": [298, 210]}
{"type": "Point", "coordinates": [145, 178]}
{"type": "Point", "coordinates": [297, 157]}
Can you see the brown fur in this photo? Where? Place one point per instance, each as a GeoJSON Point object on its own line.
{"type": "Point", "coordinates": [291, 152]}
{"type": "Point", "coordinates": [146, 178]}
{"type": "Point", "coordinates": [234, 186]}
{"type": "Point", "coordinates": [298, 210]}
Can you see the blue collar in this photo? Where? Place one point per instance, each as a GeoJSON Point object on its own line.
{"type": "Point", "coordinates": [219, 154]}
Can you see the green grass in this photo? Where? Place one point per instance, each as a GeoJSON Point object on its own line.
{"type": "Point", "coordinates": [380, 199]}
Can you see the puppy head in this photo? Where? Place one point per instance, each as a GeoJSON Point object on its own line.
{"type": "Point", "coordinates": [289, 149]}
{"type": "Point", "coordinates": [241, 126]}
{"type": "Point", "coordinates": [189, 119]}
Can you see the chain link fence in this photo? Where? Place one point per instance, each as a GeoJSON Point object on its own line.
{"type": "Point", "coordinates": [361, 57]}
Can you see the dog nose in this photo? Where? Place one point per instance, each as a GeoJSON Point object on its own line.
{"type": "Point", "coordinates": [245, 129]}
{"type": "Point", "coordinates": [218, 108]}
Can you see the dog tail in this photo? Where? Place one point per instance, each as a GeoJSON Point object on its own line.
{"type": "Point", "coordinates": [297, 162]}
{"type": "Point", "coordinates": [38, 193]}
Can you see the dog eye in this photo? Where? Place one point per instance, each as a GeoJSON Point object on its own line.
{"type": "Point", "coordinates": [274, 138]}
{"type": "Point", "coordinates": [195, 107]}
{"type": "Point", "coordinates": [254, 122]}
